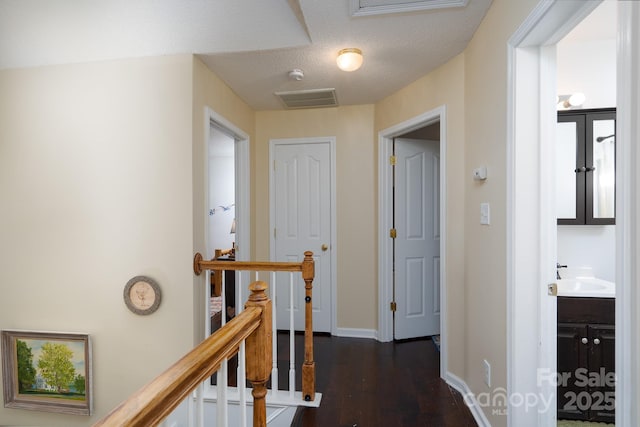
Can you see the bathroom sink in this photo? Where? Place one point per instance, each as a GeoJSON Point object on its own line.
{"type": "Point", "coordinates": [586, 287]}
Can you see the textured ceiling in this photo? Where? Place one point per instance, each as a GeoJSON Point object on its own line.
{"type": "Point", "coordinates": [251, 44]}
{"type": "Point", "coordinates": [398, 49]}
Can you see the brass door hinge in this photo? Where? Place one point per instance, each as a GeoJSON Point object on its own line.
{"type": "Point", "coordinates": [393, 306]}
{"type": "Point", "coordinates": [393, 233]}
{"type": "Point", "coordinates": [393, 160]}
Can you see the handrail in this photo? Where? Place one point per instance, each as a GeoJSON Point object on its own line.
{"type": "Point", "coordinates": [157, 399]}
{"type": "Point", "coordinates": [307, 268]}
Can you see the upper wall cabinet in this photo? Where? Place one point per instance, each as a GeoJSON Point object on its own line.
{"type": "Point", "coordinates": [585, 166]}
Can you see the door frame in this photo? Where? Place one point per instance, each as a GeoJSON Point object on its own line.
{"type": "Point", "coordinates": [242, 178]}
{"type": "Point", "coordinates": [530, 233]}
{"type": "Point", "coordinates": [385, 223]}
{"type": "Point", "coordinates": [331, 140]}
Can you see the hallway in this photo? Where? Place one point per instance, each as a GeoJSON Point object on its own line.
{"type": "Point", "coordinates": [366, 383]}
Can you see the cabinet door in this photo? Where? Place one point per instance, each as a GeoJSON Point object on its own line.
{"type": "Point", "coordinates": [585, 167]}
{"type": "Point", "coordinates": [602, 368]}
{"type": "Point", "coordinates": [572, 355]}
{"type": "Point", "coordinates": [600, 167]}
{"type": "Point", "coordinates": [570, 183]}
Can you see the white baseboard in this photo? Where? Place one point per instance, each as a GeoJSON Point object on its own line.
{"type": "Point", "coordinates": [357, 333]}
{"type": "Point", "coordinates": [469, 399]}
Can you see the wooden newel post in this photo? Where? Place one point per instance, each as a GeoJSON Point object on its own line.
{"type": "Point", "coordinates": [258, 353]}
{"type": "Point", "coordinates": [309, 365]}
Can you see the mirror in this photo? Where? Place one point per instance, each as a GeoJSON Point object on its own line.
{"type": "Point", "coordinates": [566, 154]}
{"type": "Point", "coordinates": [604, 155]}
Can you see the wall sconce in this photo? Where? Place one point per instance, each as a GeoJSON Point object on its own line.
{"type": "Point", "coordinates": [349, 59]}
{"type": "Point", "coordinates": [570, 101]}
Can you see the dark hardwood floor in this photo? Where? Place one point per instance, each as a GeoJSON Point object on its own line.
{"type": "Point", "coordinates": [366, 383]}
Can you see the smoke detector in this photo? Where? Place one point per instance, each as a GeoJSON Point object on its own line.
{"type": "Point", "coordinates": [296, 74]}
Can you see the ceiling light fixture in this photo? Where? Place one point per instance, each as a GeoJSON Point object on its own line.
{"type": "Point", "coordinates": [349, 59]}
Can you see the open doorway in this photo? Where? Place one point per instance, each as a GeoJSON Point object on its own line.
{"type": "Point", "coordinates": [416, 240]}
{"type": "Point", "coordinates": [585, 207]}
{"type": "Point", "coordinates": [407, 133]}
{"type": "Point", "coordinates": [531, 248]}
{"type": "Point", "coordinates": [222, 221]}
{"type": "Point", "coordinates": [227, 205]}
{"type": "Point", "coordinates": [222, 190]}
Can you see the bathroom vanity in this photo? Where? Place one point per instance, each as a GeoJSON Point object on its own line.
{"type": "Point", "coordinates": [586, 357]}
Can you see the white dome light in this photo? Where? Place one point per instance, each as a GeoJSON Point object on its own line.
{"type": "Point", "coordinates": [349, 59]}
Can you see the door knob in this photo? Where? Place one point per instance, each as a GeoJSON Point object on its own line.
{"type": "Point", "coordinates": [324, 248]}
{"type": "Point", "coordinates": [596, 341]}
{"type": "Point", "coordinates": [584, 340]}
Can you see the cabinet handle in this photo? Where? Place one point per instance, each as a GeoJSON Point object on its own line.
{"type": "Point", "coordinates": [590, 169]}
{"type": "Point", "coordinates": [596, 341]}
{"type": "Point", "coordinates": [580, 169]}
{"type": "Point", "coordinates": [584, 341]}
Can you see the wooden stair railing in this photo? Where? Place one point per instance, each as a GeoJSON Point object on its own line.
{"type": "Point", "coordinates": [307, 268]}
{"type": "Point", "coordinates": [156, 400]}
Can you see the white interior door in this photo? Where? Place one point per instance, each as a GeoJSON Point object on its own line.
{"type": "Point", "coordinates": [301, 185]}
{"type": "Point", "coordinates": [417, 244]}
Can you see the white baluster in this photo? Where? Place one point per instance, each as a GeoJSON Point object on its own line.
{"type": "Point", "coordinates": [274, 334]}
{"type": "Point", "coordinates": [242, 384]}
{"type": "Point", "coordinates": [222, 398]}
{"type": "Point", "coordinates": [195, 410]}
{"type": "Point", "coordinates": [292, 349]}
{"type": "Point", "coordinates": [241, 371]}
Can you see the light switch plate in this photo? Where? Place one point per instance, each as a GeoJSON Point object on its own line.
{"type": "Point", "coordinates": [485, 214]}
{"type": "Point", "coordinates": [487, 372]}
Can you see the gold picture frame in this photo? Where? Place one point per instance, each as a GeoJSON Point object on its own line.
{"type": "Point", "coordinates": [47, 371]}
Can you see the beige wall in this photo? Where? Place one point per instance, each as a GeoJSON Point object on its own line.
{"type": "Point", "coordinates": [486, 82]}
{"type": "Point", "coordinates": [95, 177]}
{"type": "Point", "coordinates": [355, 199]}
{"type": "Point", "coordinates": [102, 178]}
{"type": "Point", "coordinates": [211, 92]}
{"type": "Point", "coordinates": [473, 87]}
{"type": "Point", "coordinates": [442, 87]}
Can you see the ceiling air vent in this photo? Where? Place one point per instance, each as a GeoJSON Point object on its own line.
{"type": "Point", "coordinates": [314, 98]}
{"type": "Point", "coordinates": [383, 7]}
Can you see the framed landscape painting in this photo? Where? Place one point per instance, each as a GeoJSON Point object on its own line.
{"type": "Point", "coordinates": [47, 371]}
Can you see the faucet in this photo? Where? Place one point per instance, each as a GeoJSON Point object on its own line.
{"type": "Point", "coordinates": [558, 267]}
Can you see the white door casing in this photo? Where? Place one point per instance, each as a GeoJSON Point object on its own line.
{"type": "Point", "coordinates": [302, 220]}
{"type": "Point", "coordinates": [529, 116]}
{"type": "Point", "coordinates": [385, 222]}
{"type": "Point", "coordinates": [242, 205]}
{"type": "Point", "coordinates": [417, 245]}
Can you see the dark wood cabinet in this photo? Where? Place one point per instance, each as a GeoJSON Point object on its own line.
{"type": "Point", "coordinates": [585, 166]}
{"type": "Point", "coordinates": [586, 359]}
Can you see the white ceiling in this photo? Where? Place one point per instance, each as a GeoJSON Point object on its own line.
{"type": "Point", "coordinates": [251, 44]}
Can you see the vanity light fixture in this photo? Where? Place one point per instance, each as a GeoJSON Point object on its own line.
{"type": "Point", "coordinates": [349, 59]}
{"type": "Point", "coordinates": [570, 101]}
